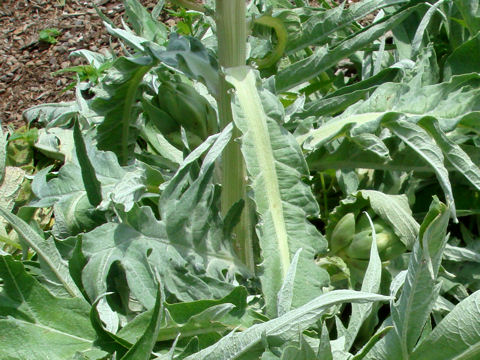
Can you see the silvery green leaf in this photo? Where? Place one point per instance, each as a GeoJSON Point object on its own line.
{"type": "Point", "coordinates": [371, 283]}
{"type": "Point", "coordinates": [324, 348]}
{"type": "Point", "coordinates": [276, 165]}
{"type": "Point", "coordinates": [143, 348]}
{"type": "Point", "coordinates": [302, 352]}
{"type": "Point", "coordinates": [45, 249]}
{"type": "Point", "coordinates": [93, 187]}
{"type": "Point", "coordinates": [197, 319]}
{"type": "Point", "coordinates": [321, 26]}
{"type": "Point", "coordinates": [324, 58]}
{"type": "Point", "coordinates": [372, 143]}
{"type": "Point", "coordinates": [50, 115]}
{"type": "Point", "coordinates": [460, 254]}
{"type": "Point", "coordinates": [449, 102]}
{"type": "Point", "coordinates": [348, 181]}
{"type": "Point", "coordinates": [93, 58]}
{"type": "Point", "coordinates": [457, 335]}
{"type": "Point", "coordinates": [419, 140]}
{"type": "Point", "coordinates": [144, 24]}
{"type": "Point", "coordinates": [32, 319]}
{"type": "Point", "coordinates": [453, 152]}
{"type": "Point", "coordinates": [187, 248]}
{"type": "Point", "coordinates": [136, 42]}
{"type": "Point", "coordinates": [285, 295]}
{"type": "Point", "coordinates": [420, 289]}
{"type": "Point", "coordinates": [56, 143]}
{"type": "Point", "coordinates": [342, 98]}
{"type": "Point", "coordinates": [419, 34]}
{"type": "Point", "coordinates": [283, 328]}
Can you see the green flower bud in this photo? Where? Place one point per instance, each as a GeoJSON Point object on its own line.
{"type": "Point", "coordinates": [342, 234]}
{"type": "Point", "coordinates": [388, 243]}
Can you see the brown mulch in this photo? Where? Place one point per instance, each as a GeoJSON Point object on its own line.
{"type": "Point", "coordinates": [26, 65]}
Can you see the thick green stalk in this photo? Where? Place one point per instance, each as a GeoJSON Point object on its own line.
{"type": "Point", "coordinates": [232, 37]}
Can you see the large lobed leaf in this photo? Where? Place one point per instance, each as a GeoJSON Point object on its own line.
{"type": "Point", "coordinates": [32, 319]}
{"type": "Point", "coordinates": [324, 58]}
{"type": "Point", "coordinates": [420, 115]}
{"type": "Point", "coordinates": [283, 328]}
{"type": "Point", "coordinates": [456, 337]}
{"type": "Point", "coordinates": [420, 289]}
{"type": "Point", "coordinates": [187, 248]}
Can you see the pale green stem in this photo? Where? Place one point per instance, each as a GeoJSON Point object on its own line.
{"type": "Point", "coordinates": [232, 37]}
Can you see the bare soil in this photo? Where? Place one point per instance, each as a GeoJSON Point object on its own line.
{"type": "Point", "coordinates": [26, 64]}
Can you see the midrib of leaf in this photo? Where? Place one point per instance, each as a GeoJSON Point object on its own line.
{"type": "Point", "coordinates": [174, 332]}
{"type": "Point", "coordinates": [51, 330]}
{"type": "Point", "coordinates": [32, 311]}
{"type": "Point", "coordinates": [127, 108]}
{"type": "Point", "coordinates": [256, 118]}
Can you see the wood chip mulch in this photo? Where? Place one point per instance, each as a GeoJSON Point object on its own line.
{"type": "Point", "coordinates": [26, 64]}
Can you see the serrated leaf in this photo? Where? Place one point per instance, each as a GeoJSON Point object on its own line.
{"type": "Point", "coordinates": [324, 58]}
{"type": "Point", "coordinates": [10, 187]}
{"type": "Point", "coordinates": [453, 152]}
{"type": "Point", "coordinates": [144, 24]}
{"type": "Point", "coordinates": [50, 115]}
{"type": "Point", "coordinates": [456, 337]}
{"type": "Point", "coordinates": [371, 283]}
{"type": "Point", "coordinates": [322, 25]}
{"type": "Point", "coordinates": [187, 247]}
{"type": "Point", "coordinates": [283, 328]}
{"type": "Point", "coordinates": [195, 319]}
{"type": "Point", "coordinates": [303, 352]}
{"type": "Point", "coordinates": [32, 319]}
{"type": "Point", "coordinates": [324, 348]}
{"type": "Point", "coordinates": [275, 163]}
{"type": "Point", "coordinates": [285, 295]}
{"type": "Point", "coordinates": [419, 291]}
{"type": "Point", "coordinates": [45, 249]}
{"type": "Point", "coordinates": [342, 98]}
{"type": "Point", "coordinates": [415, 137]}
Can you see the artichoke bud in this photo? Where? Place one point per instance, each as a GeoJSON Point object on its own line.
{"type": "Point", "coordinates": [188, 108]}
{"type": "Point", "coordinates": [343, 232]}
{"type": "Point", "coordinates": [388, 243]}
